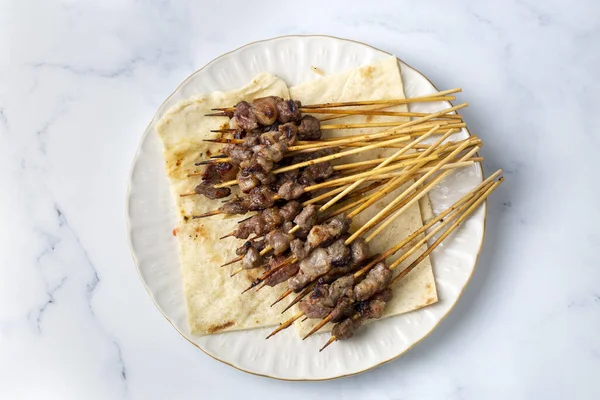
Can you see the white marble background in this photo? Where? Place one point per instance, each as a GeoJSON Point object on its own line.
{"type": "Point", "coordinates": [79, 81]}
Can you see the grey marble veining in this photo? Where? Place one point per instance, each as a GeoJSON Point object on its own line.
{"type": "Point", "coordinates": [79, 81]}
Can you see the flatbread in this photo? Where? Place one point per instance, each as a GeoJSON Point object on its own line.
{"type": "Point", "coordinates": [213, 298]}
{"type": "Point", "coordinates": [380, 80]}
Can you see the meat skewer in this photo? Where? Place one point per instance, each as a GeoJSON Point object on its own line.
{"type": "Point", "coordinates": [448, 215]}
{"type": "Point", "coordinates": [346, 112]}
{"type": "Point", "coordinates": [380, 258]}
{"type": "Point", "coordinates": [420, 159]}
{"type": "Point", "coordinates": [347, 330]}
{"type": "Point", "coordinates": [445, 161]}
{"type": "Point", "coordinates": [411, 200]}
{"type": "Point", "coordinates": [397, 247]}
{"type": "Point", "coordinates": [428, 98]}
{"type": "Point", "coordinates": [346, 141]}
{"type": "Point", "coordinates": [328, 127]}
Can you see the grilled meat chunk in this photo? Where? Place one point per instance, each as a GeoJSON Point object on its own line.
{"type": "Point", "coordinates": [244, 116]}
{"type": "Point", "coordinates": [258, 245]}
{"type": "Point", "coordinates": [282, 274]}
{"type": "Point", "coordinates": [307, 217]}
{"type": "Point", "coordinates": [316, 173]}
{"type": "Point", "coordinates": [317, 263]}
{"type": "Point", "coordinates": [325, 233]}
{"type": "Point", "coordinates": [207, 189]}
{"type": "Point", "coordinates": [288, 110]}
{"type": "Point", "coordinates": [290, 190]}
{"type": "Point", "coordinates": [235, 206]}
{"type": "Point", "coordinates": [344, 308]}
{"type": "Point", "coordinates": [360, 250]}
{"type": "Point", "coordinates": [237, 153]}
{"type": "Point", "coordinates": [252, 259]}
{"type": "Point", "coordinates": [309, 128]}
{"type": "Point", "coordinates": [345, 329]}
{"type": "Point", "coordinates": [260, 198]}
{"type": "Point", "coordinates": [279, 240]}
{"type": "Point", "coordinates": [375, 281]}
{"type": "Point", "coordinates": [289, 211]}
{"type": "Point", "coordinates": [265, 109]}
{"type": "Point", "coordinates": [298, 249]}
{"type": "Point", "coordinates": [289, 133]}
{"type": "Point", "coordinates": [272, 218]}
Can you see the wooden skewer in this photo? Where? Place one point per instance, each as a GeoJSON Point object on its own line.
{"type": "Point", "coordinates": [397, 182]}
{"type": "Point", "coordinates": [379, 168]}
{"type": "Point", "coordinates": [375, 102]}
{"type": "Point", "coordinates": [393, 250]}
{"type": "Point", "coordinates": [353, 151]}
{"type": "Point", "coordinates": [377, 112]}
{"type": "Point", "coordinates": [377, 217]}
{"type": "Point", "coordinates": [430, 185]}
{"type": "Point", "coordinates": [285, 324]}
{"type": "Point", "coordinates": [233, 261]}
{"type": "Point", "coordinates": [456, 209]}
{"type": "Point", "coordinates": [303, 147]}
{"type": "Point", "coordinates": [299, 297]}
{"type": "Point", "coordinates": [426, 98]}
{"type": "Point", "coordinates": [432, 247]}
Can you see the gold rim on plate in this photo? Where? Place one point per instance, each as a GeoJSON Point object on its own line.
{"type": "Point", "coordinates": [225, 362]}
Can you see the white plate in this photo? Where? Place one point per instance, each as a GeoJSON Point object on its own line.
{"type": "Point", "coordinates": [151, 219]}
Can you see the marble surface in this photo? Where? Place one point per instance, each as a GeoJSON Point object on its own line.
{"type": "Point", "coordinates": [79, 81]}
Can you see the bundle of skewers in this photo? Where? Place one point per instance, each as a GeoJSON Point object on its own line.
{"type": "Point", "coordinates": [303, 204]}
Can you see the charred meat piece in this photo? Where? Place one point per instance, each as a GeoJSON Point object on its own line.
{"type": "Point", "coordinates": [252, 259]}
{"type": "Point", "coordinates": [279, 240]}
{"type": "Point", "coordinates": [288, 176]}
{"type": "Point", "coordinates": [237, 153]}
{"type": "Point", "coordinates": [247, 181]}
{"type": "Point", "coordinates": [360, 250]}
{"type": "Point", "coordinates": [309, 128]}
{"type": "Point", "coordinates": [307, 217]}
{"type": "Point", "coordinates": [250, 141]}
{"type": "Point", "coordinates": [316, 173]}
{"type": "Point", "coordinates": [254, 225]}
{"type": "Point", "coordinates": [341, 287]}
{"type": "Point", "coordinates": [274, 152]}
{"type": "Point", "coordinates": [374, 308]}
{"type": "Point", "coordinates": [289, 211]}
{"type": "Point", "coordinates": [260, 198]}
{"type": "Point", "coordinates": [290, 190]}
{"type": "Point", "coordinates": [258, 245]}
{"type": "Point", "coordinates": [317, 263]}
{"type": "Point", "coordinates": [219, 172]}
{"type": "Point", "coordinates": [325, 233]}
{"type": "Point", "coordinates": [298, 249]}
{"type": "Point", "coordinates": [235, 206]}
{"type": "Point", "coordinates": [244, 116]}
{"type": "Point", "coordinates": [207, 189]}
{"type": "Point", "coordinates": [344, 308]}
{"type": "Point", "coordinates": [272, 218]}
{"type": "Point", "coordinates": [375, 281]}
{"type": "Point", "coordinates": [314, 306]}
{"type": "Point", "coordinates": [338, 252]}
{"type": "Point", "coordinates": [282, 274]}
{"type": "Point", "coordinates": [289, 133]}
{"type": "Point", "coordinates": [288, 110]}
{"type": "Point", "coordinates": [345, 329]}
{"type": "Point", "coordinates": [265, 109]}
